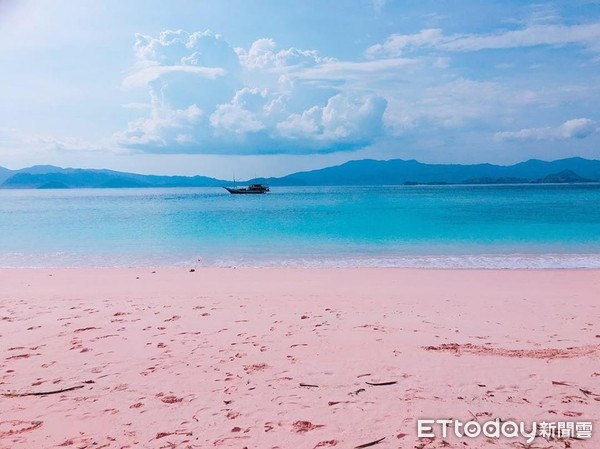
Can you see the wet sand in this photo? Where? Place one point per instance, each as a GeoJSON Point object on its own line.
{"type": "Point", "coordinates": [291, 358]}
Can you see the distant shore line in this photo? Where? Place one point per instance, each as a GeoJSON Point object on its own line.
{"type": "Point", "coordinates": [405, 184]}
{"type": "Point", "coordinates": [362, 172]}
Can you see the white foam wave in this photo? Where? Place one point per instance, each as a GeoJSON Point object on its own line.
{"type": "Point", "coordinates": [474, 261]}
{"type": "Point", "coordinates": [469, 261]}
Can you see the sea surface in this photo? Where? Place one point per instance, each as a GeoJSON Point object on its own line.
{"type": "Point", "coordinates": [519, 226]}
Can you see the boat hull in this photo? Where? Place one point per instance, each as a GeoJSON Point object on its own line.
{"type": "Point", "coordinates": [245, 191]}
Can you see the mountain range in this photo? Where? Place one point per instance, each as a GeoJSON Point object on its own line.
{"type": "Point", "coordinates": [51, 177]}
{"type": "Point", "coordinates": [358, 172]}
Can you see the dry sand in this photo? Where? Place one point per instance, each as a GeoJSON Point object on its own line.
{"type": "Point", "coordinates": [218, 357]}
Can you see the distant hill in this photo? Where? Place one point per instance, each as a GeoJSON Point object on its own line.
{"type": "Point", "coordinates": [398, 171]}
{"type": "Point", "coordinates": [564, 176]}
{"type": "Point", "coordinates": [360, 172]}
{"type": "Point", "coordinates": [5, 173]}
{"type": "Point", "coordinates": [50, 177]}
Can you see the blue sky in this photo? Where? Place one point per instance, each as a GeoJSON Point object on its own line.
{"type": "Point", "coordinates": [271, 87]}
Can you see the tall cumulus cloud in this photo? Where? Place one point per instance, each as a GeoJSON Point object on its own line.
{"type": "Point", "coordinates": [208, 97]}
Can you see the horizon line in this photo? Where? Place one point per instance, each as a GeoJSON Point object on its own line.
{"type": "Point", "coordinates": [302, 171]}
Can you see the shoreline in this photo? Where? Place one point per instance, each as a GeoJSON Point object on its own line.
{"type": "Point", "coordinates": [198, 268]}
{"type": "Point", "coordinates": [483, 261]}
{"type": "Point", "coordinates": [224, 357]}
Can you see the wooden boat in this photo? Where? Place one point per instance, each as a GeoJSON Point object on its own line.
{"type": "Point", "coordinates": [252, 189]}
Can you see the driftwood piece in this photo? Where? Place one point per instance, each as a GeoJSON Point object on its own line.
{"type": "Point", "coordinates": [372, 443]}
{"type": "Point", "coordinates": [42, 393]}
{"type": "Point", "coordinates": [355, 393]}
{"type": "Point", "coordinates": [588, 392]}
{"type": "Point", "coordinates": [381, 384]}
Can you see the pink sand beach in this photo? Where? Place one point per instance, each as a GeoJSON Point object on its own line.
{"type": "Point", "coordinates": [293, 358]}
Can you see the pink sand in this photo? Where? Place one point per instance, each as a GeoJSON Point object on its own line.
{"type": "Point", "coordinates": [215, 357]}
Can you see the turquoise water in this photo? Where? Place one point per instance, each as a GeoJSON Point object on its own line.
{"type": "Point", "coordinates": [438, 226]}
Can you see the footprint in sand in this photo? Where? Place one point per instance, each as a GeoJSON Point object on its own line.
{"type": "Point", "coordinates": [328, 443]}
{"type": "Point", "coordinates": [254, 368]}
{"type": "Point", "coordinates": [304, 426]}
{"type": "Point", "coordinates": [149, 370]}
{"type": "Point", "coordinates": [85, 329]}
{"type": "Point", "coordinates": [169, 399]}
{"type": "Point", "coordinates": [16, 427]}
{"type": "Point", "coordinates": [21, 356]}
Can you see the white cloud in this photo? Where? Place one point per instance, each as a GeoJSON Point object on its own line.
{"type": "Point", "coordinates": [587, 35]}
{"type": "Point", "coordinates": [165, 126]}
{"type": "Point", "coordinates": [172, 48]}
{"type": "Point", "coordinates": [455, 104]}
{"type": "Point", "coordinates": [305, 124]}
{"type": "Point", "coordinates": [343, 118]}
{"type": "Point", "coordinates": [182, 69]}
{"type": "Point", "coordinates": [396, 44]}
{"type": "Point", "coordinates": [441, 63]}
{"type": "Point", "coordinates": [257, 100]}
{"type": "Point", "coordinates": [357, 118]}
{"type": "Point", "coordinates": [242, 114]}
{"type": "Point", "coordinates": [543, 13]}
{"type": "Point", "coordinates": [578, 128]}
{"type": "Point", "coordinates": [136, 105]}
{"type": "Point", "coordinates": [353, 70]}
{"type": "Point", "coordinates": [147, 74]}
{"type": "Point", "coordinates": [262, 54]}
{"type": "Point", "coordinates": [49, 144]}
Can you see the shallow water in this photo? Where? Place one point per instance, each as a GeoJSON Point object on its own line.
{"type": "Point", "coordinates": [529, 226]}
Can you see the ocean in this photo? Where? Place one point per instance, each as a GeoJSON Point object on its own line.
{"type": "Point", "coordinates": [516, 226]}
